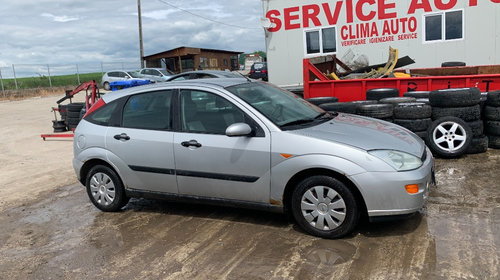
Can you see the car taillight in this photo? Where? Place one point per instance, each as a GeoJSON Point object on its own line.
{"type": "Point", "coordinates": [264, 71]}
{"type": "Point", "coordinates": [252, 71]}
{"type": "Point", "coordinates": [94, 107]}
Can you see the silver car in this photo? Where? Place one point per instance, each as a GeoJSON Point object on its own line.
{"type": "Point", "coordinates": [156, 74]}
{"type": "Point", "coordinates": [118, 75]}
{"type": "Point", "coordinates": [249, 144]}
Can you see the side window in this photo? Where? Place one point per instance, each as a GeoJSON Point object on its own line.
{"type": "Point", "coordinates": [204, 112]}
{"type": "Point", "coordinates": [443, 26]}
{"type": "Point", "coordinates": [180, 78]}
{"type": "Point", "coordinates": [113, 74]}
{"type": "Point", "coordinates": [148, 111]}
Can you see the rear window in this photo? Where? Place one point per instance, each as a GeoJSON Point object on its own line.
{"type": "Point", "coordinates": [102, 116]}
{"type": "Point", "coordinates": [258, 66]}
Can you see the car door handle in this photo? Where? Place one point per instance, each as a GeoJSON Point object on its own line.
{"type": "Point", "coordinates": [189, 143]}
{"type": "Point", "coordinates": [122, 136]}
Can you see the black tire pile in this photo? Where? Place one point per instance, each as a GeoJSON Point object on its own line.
{"type": "Point", "coordinates": [492, 119]}
{"type": "Point", "coordinates": [460, 108]}
{"type": "Point", "coordinates": [73, 114]}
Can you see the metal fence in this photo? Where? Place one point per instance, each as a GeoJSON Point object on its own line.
{"type": "Point", "coordinates": [23, 76]}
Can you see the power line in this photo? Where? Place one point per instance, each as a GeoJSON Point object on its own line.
{"type": "Point", "coordinates": [205, 18]}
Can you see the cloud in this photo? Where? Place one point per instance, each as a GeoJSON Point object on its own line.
{"type": "Point", "coordinates": [90, 32]}
{"type": "Point", "coordinates": [59, 18]}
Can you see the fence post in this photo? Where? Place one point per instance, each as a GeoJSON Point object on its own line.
{"type": "Point", "coordinates": [1, 82]}
{"type": "Point", "coordinates": [48, 71]}
{"type": "Point", "coordinates": [77, 74]}
{"type": "Point", "coordinates": [15, 79]}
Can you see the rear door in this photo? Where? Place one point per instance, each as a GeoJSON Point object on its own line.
{"type": "Point", "coordinates": [211, 164]}
{"type": "Point", "coordinates": [142, 144]}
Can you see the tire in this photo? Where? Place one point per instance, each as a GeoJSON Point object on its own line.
{"type": "Point", "coordinates": [380, 111]}
{"type": "Point", "coordinates": [452, 64]}
{"type": "Point", "coordinates": [423, 100]}
{"type": "Point", "coordinates": [105, 189]}
{"type": "Point", "coordinates": [73, 115]}
{"type": "Point", "coordinates": [394, 101]}
{"type": "Point", "coordinates": [492, 113]}
{"type": "Point", "coordinates": [494, 142]}
{"type": "Point", "coordinates": [106, 86]}
{"type": "Point", "coordinates": [411, 111]}
{"type": "Point", "coordinates": [449, 137]}
{"type": "Point", "coordinates": [304, 202]}
{"type": "Point", "coordinates": [363, 102]}
{"type": "Point", "coordinates": [493, 98]}
{"type": "Point", "coordinates": [322, 100]}
{"type": "Point", "coordinates": [417, 94]}
{"type": "Point", "coordinates": [478, 145]}
{"type": "Point", "coordinates": [75, 107]}
{"type": "Point", "coordinates": [455, 97]}
{"type": "Point", "coordinates": [468, 114]}
{"type": "Point", "coordinates": [344, 107]}
{"type": "Point", "coordinates": [379, 93]}
{"type": "Point", "coordinates": [493, 128]}
{"type": "Point", "coordinates": [477, 128]}
{"type": "Point", "coordinates": [62, 111]}
{"type": "Point", "coordinates": [414, 125]}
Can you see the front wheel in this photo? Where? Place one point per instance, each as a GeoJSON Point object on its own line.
{"type": "Point", "coordinates": [325, 207]}
{"type": "Point", "coordinates": [105, 189]}
{"type": "Point", "coordinates": [106, 86]}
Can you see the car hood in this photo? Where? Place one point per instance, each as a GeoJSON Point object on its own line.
{"type": "Point", "coordinates": [366, 133]}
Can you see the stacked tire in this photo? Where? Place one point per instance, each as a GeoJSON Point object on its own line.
{"type": "Point", "coordinates": [457, 127]}
{"type": "Point", "coordinates": [492, 119]}
{"type": "Point", "coordinates": [414, 116]}
{"type": "Point", "coordinates": [73, 114]}
{"type": "Point", "coordinates": [60, 126]}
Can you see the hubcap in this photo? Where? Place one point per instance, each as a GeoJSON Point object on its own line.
{"type": "Point", "coordinates": [449, 136]}
{"type": "Point", "coordinates": [323, 208]}
{"type": "Point", "coordinates": [102, 188]}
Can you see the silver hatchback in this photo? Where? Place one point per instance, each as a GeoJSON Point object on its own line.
{"type": "Point", "coordinates": [249, 144]}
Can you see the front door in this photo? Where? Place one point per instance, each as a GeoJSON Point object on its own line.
{"type": "Point", "coordinates": [211, 164]}
{"type": "Point", "coordinates": [143, 143]}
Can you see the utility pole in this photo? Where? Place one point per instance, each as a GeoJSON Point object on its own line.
{"type": "Point", "coordinates": [140, 33]}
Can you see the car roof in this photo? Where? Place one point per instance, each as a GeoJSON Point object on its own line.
{"type": "Point", "coordinates": [120, 71]}
{"type": "Point", "coordinates": [216, 83]}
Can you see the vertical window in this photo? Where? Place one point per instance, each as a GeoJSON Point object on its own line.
{"type": "Point", "coordinates": [329, 40]}
{"type": "Point", "coordinates": [321, 41]}
{"type": "Point", "coordinates": [453, 25]}
{"type": "Point", "coordinates": [443, 26]}
{"type": "Point", "coordinates": [312, 41]}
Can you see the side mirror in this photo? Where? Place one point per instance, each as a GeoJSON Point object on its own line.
{"type": "Point", "coordinates": [238, 129]}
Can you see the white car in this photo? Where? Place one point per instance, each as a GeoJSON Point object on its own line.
{"type": "Point", "coordinates": [156, 74]}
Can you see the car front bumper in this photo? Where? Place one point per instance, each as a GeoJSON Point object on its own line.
{"type": "Point", "coordinates": [384, 193]}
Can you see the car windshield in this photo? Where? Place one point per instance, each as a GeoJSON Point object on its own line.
{"type": "Point", "coordinates": [166, 72]}
{"type": "Point", "coordinates": [133, 74]}
{"type": "Point", "coordinates": [283, 108]}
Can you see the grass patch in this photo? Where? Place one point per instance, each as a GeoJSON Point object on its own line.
{"type": "Point", "coordinates": [57, 81]}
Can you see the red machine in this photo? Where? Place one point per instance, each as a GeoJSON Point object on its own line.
{"type": "Point", "coordinates": [90, 99]}
{"type": "Point", "coordinates": [316, 84]}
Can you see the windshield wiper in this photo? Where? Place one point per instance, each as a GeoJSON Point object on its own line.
{"type": "Point", "coordinates": [297, 122]}
{"type": "Point", "coordinates": [326, 115]}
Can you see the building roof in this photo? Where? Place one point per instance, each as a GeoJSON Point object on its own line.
{"type": "Point", "coordinates": [182, 51]}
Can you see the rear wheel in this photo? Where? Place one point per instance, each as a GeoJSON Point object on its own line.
{"type": "Point", "coordinates": [323, 206]}
{"type": "Point", "coordinates": [106, 86]}
{"type": "Point", "coordinates": [105, 189]}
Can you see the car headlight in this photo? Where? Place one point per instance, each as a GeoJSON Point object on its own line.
{"type": "Point", "coordinates": [398, 160]}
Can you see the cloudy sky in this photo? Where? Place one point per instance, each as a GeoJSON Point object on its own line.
{"type": "Point", "coordinates": [76, 31]}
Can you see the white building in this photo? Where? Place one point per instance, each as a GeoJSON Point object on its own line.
{"type": "Point", "coordinates": [429, 31]}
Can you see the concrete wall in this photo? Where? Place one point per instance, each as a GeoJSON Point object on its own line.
{"type": "Point", "coordinates": [285, 40]}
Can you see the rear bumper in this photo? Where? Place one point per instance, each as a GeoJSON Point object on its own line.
{"type": "Point", "coordinates": [385, 194]}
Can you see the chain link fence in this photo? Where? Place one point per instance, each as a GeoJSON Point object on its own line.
{"type": "Point", "coordinates": [26, 76]}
